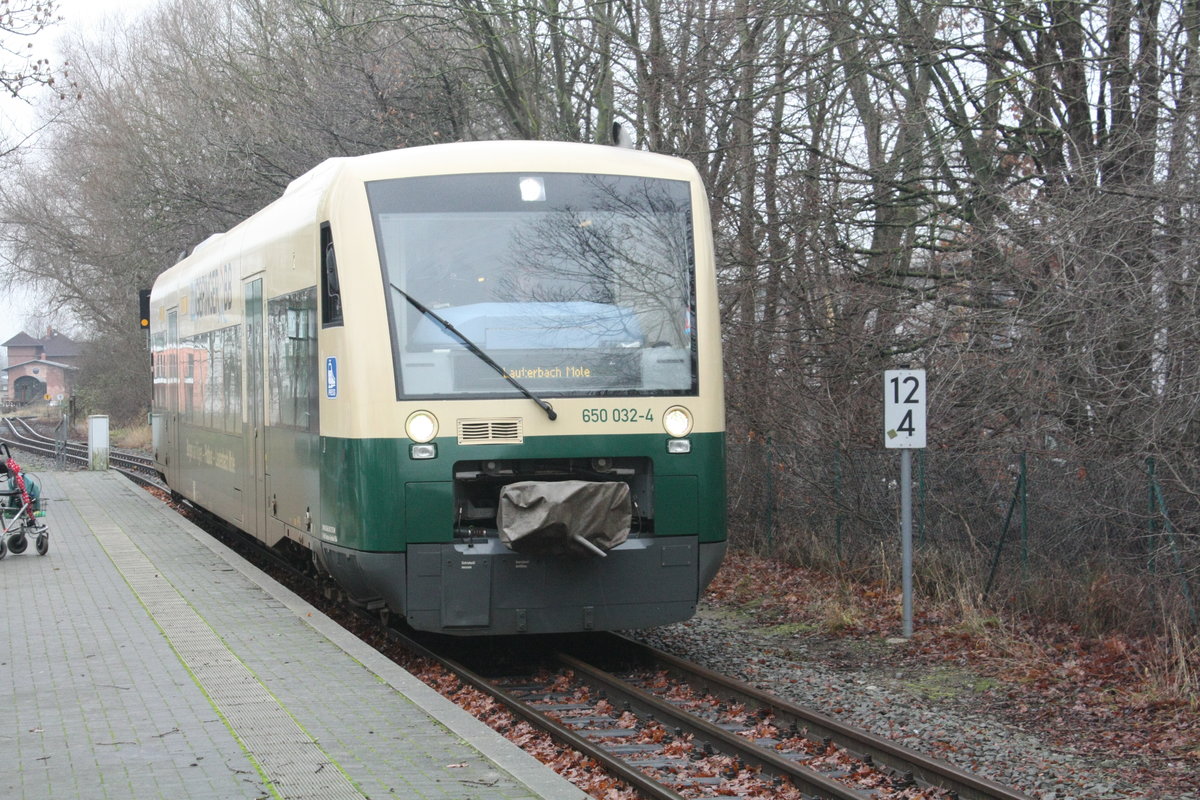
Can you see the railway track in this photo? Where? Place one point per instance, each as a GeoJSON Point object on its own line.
{"type": "Point", "coordinates": [670, 729]}
{"type": "Point", "coordinates": [679, 730]}
{"type": "Point", "coordinates": [19, 434]}
{"type": "Point", "coordinates": [747, 732]}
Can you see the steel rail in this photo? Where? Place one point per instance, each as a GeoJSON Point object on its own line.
{"type": "Point", "coordinates": [133, 468]}
{"type": "Point", "coordinates": [563, 735]}
{"type": "Point", "coordinates": [745, 750]}
{"type": "Point", "coordinates": [32, 434]}
{"type": "Point", "coordinates": [74, 449]}
{"type": "Point", "coordinates": [924, 769]}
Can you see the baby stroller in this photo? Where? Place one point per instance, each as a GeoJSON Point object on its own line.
{"type": "Point", "coordinates": [21, 509]}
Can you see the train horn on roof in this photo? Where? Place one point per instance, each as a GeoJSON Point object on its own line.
{"type": "Point", "coordinates": [620, 136]}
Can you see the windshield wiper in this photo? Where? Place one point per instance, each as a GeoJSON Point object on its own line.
{"type": "Point", "coordinates": [474, 348]}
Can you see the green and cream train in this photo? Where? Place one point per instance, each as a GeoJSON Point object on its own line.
{"type": "Point", "coordinates": [481, 382]}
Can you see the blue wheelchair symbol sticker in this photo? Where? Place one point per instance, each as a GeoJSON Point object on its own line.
{"type": "Point", "coordinates": [331, 377]}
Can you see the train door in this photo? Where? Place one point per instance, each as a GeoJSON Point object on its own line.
{"type": "Point", "coordinates": [170, 454]}
{"type": "Point", "coordinates": [254, 516]}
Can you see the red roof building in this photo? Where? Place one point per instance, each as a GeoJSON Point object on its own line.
{"type": "Point", "coordinates": [41, 369]}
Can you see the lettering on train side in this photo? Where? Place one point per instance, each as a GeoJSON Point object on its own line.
{"type": "Point", "coordinates": [211, 294]}
{"type": "Point", "coordinates": [200, 453]}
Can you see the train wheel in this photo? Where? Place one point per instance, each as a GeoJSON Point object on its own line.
{"type": "Point", "coordinates": [18, 543]}
{"type": "Point", "coordinates": [42, 543]}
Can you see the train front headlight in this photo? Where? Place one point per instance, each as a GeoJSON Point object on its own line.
{"type": "Point", "coordinates": [677, 421]}
{"type": "Point", "coordinates": [421, 426]}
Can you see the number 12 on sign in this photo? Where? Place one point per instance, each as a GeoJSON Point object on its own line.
{"type": "Point", "coordinates": [904, 408]}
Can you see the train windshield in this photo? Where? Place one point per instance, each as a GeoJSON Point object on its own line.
{"type": "Point", "coordinates": [573, 284]}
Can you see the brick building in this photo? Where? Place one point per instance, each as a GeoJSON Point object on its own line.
{"type": "Point", "coordinates": [40, 367]}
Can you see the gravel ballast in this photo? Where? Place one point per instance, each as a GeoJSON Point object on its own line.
{"type": "Point", "coordinates": [899, 701]}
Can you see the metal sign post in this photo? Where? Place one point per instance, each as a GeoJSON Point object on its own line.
{"type": "Point", "coordinates": [904, 430]}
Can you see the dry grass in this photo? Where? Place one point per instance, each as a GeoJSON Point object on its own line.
{"type": "Point", "coordinates": [134, 437]}
{"type": "Point", "coordinates": [1171, 671]}
{"type": "Point", "coordinates": [40, 410]}
{"type": "Point", "coordinates": [1020, 626]}
{"type": "Point", "coordinates": [839, 612]}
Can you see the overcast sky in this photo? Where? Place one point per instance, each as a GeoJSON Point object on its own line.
{"type": "Point", "coordinates": [77, 16]}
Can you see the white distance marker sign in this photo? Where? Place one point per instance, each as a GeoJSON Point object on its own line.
{"type": "Point", "coordinates": [904, 408]}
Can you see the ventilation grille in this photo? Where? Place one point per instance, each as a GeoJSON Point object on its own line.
{"type": "Point", "coordinates": [490, 431]}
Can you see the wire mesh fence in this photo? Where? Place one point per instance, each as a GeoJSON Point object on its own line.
{"type": "Point", "coordinates": [1117, 538]}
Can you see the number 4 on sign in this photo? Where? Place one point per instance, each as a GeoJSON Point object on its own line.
{"type": "Point", "coordinates": [904, 408]}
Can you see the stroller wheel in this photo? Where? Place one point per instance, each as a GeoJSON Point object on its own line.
{"type": "Point", "coordinates": [3, 546]}
{"type": "Point", "coordinates": [18, 543]}
{"type": "Point", "coordinates": [42, 543]}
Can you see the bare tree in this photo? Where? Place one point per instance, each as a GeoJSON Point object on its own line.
{"type": "Point", "coordinates": [21, 67]}
{"type": "Point", "coordinates": [20, 20]}
{"type": "Point", "coordinates": [1005, 193]}
{"type": "Point", "coordinates": [190, 121]}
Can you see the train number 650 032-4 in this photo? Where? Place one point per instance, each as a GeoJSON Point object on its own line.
{"type": "Point", "coordinates": [617, 415]}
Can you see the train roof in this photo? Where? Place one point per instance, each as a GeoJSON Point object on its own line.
{"type": "Point", "coordinates": [496, 156]}
{"type": "Point", "coordinates": [305, 196]}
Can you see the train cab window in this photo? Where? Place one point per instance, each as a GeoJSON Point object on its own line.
{"type": "Point", "coordinates": [576, 284]}
{"type": "Point", "coordinates": [331, 291]}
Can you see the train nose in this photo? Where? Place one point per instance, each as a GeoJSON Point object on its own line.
{"type": "Point", "coordinates": [585, 518]}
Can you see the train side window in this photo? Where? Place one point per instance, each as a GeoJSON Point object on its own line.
{"type": "Point", "coordinates": [331, 292]}
{"type": "Point", "coordinates": [172, 393]}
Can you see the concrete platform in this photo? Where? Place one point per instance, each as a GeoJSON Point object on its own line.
{"type": "Point", "coordinates": [140, 658]}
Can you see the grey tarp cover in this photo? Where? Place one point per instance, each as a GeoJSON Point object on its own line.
{"type": "Point", "coordinates": [551, 517]}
